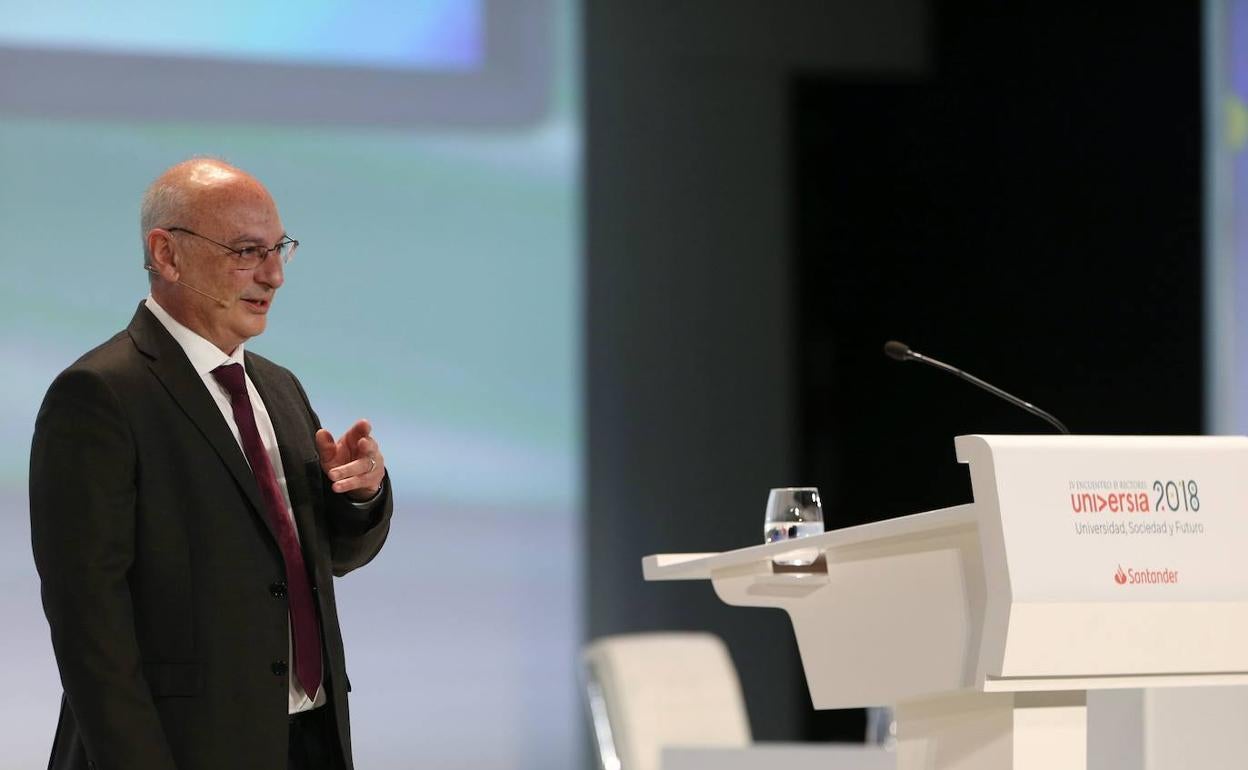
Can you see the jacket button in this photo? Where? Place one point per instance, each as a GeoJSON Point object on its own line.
{"type": "Point", "coordinates": [279, 668]}
{"type": "Point", "coordinates": [278, 589]}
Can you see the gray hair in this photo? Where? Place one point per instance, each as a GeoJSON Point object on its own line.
{"type": "Point", "coordinates": [162, 202]}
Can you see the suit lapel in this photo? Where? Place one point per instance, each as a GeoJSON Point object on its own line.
{"type": "Point", "coordinates": [171, 366]}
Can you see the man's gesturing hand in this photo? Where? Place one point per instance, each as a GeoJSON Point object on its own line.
{"type": "Point", "coordinates": [353, 462]}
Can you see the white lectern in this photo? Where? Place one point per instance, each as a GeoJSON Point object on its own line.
{"type": "Point", "coordinates": [1085, 562]}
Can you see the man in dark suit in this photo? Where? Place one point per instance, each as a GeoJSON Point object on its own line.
{"type": "Point", "coordinates": [188, 512]}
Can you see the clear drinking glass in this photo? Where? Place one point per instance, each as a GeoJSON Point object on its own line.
{"type": "Point", "coordinates": [882, 727]}
{"type": "Point", "coordinates": [793, 512]}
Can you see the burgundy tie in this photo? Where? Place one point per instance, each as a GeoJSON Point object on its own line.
{"type": "Point", "coordinates": [303, 618]}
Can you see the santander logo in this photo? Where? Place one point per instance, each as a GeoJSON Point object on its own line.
{"type": "Point", "coordinates": [1163, 576]}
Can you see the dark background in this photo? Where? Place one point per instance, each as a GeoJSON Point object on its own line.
{"type": "Point", "coordinates": [775, 189]}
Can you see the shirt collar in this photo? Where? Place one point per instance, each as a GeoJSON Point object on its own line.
{"type": "Point", "coordinates": [204, 355]}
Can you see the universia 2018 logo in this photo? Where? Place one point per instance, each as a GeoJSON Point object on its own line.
{"type": "Point", "coordinates": [1179, 496]}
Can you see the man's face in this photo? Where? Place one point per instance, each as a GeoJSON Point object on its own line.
{"type": "Point", "coordinates": [237, 213]}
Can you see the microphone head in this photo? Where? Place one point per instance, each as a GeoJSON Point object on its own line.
{"type": "Point", "coordinates": [898, 351]}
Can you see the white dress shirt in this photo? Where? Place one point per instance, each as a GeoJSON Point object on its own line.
{"type": "Point", "coordinates": [205, 357]}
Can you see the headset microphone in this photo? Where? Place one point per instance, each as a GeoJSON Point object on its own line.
{"type": "Point", "coordinates": [180, 282]}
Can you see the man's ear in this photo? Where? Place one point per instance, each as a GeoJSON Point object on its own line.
{"type": "Point", "coordinates": [164, 255]}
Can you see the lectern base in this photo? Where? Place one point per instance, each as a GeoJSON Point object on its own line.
{"type": "Point", "coordinates": [994, 731]}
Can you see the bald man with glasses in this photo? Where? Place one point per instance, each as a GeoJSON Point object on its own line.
{"type": "Point", "coordinates": [189, 513]}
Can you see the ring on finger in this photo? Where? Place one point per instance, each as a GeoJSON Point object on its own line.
{"type": "Point", "coordinates": [372, 460]}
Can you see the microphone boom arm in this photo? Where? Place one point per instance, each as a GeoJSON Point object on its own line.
{"type": "Point", "coordinates": [900, 352]}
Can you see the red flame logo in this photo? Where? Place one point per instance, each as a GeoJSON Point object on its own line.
{"type": "Point", "coordinates": [1120, 577]}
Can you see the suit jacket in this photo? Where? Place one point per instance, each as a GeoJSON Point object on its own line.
{"type": "Point", "coordinates": [162, 582]}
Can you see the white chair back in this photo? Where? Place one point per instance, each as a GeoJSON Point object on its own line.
{"type": "Point", "coordinates": [647, 691]}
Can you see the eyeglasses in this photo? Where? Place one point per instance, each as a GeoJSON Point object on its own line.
{"type": "Point", "coordinates": [250, 256]}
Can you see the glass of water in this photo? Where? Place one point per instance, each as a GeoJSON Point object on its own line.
{"type": "Point", "coordinates": [793, 512]}
{"type": "Point", "coordinates": [882, 727]}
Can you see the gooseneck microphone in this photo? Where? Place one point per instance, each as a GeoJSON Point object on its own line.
{"type": "Point", "coordinates": [901, 352]}
{"type": "Point", "coordinates": [180, 282]}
